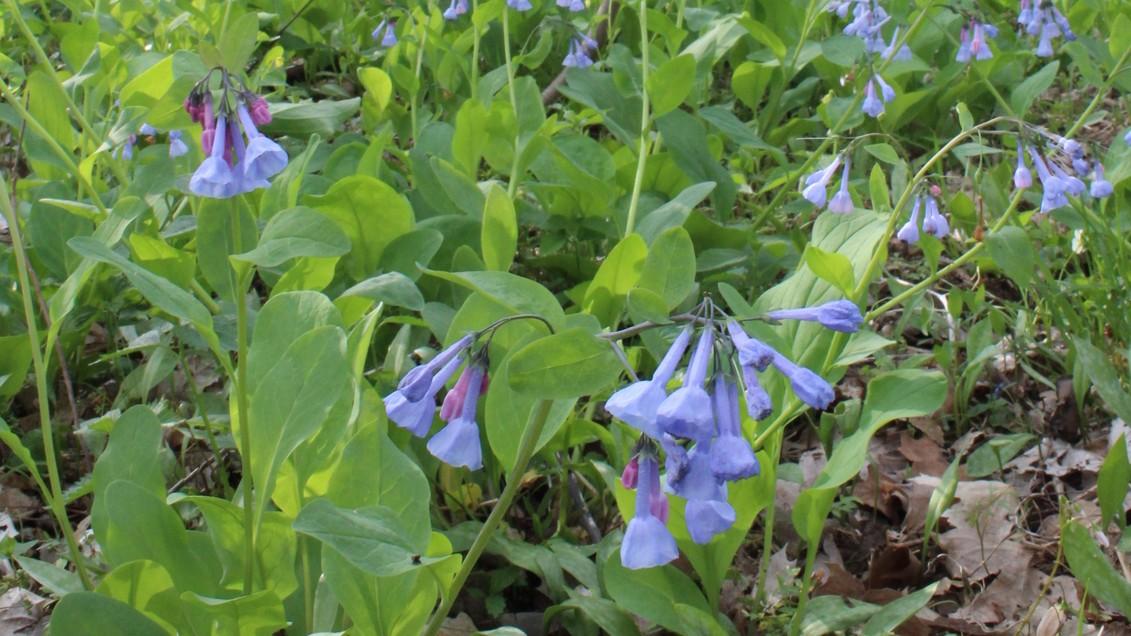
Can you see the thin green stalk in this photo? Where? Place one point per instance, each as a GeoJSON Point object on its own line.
{"type": "Point", "coordinates": [475, 50]}
{"type": "Point", "coordinates": [645, 122]}
{"type": "Point", "coordinates": [806, 587]}
{"type": "Point", "coordinates": [55, 497]}
{"type": "Point", "coordinates": [224, 20]}
{"type": "Point", "coordinates": [1101, 93]}
{"type": "Point", "coordinates": [45, 62]}
{"type": "Point", "coordinates": [49, 139]}
{"type": "Point", "coordinates": [413, 108]}
{"type": "Point", "coordinates": [512, 184]}
{"type": "Point", "coordinates": [792, 177]}
{"type": "Point", "coordinates": [526, 446]}
{"type": "Point", "coordinates": [242, 284]}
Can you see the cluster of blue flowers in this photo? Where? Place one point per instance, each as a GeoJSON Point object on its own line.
{"type": "Point", "coordinates": [413, 405]}
{"type": "Point", "coordinates": [934, 222]}
{"type": "Point", "coordinates": [817, 184]}
{"type": "Point", "coordinates": [232, 166]}
{"type": "Point", "coordinates": [868, 19]}
{"type": "Point", "coordinates": [698, 425]}
{"type": "Point", "coordinates": [177, 146]}
{"type": "Point", "coordinates": [385, 33]}
{"type": "Point", "coordinates": [579, 49]}
{"type": "Point", "coordinates": [455, 10]}
{"type": "Point", "coordinates": [1041, 18]}
{"type": "Point", "coordinates": [1058, 182]}
{"type": "Point", "coordinates": [974, 43]}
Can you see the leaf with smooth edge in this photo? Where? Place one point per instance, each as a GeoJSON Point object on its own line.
{"type": "Point", "coordinates": [146, 587]}
{"type": "Point", "coordinates": [499, 236]}
{"type": "Point", "coordinates": [1092, 568]}
{"type": "Point", "coordinates": [831, 267]}
{"type": "Point", "coordinates": [275, 545]}
{"type": "Point", "coordinates": [292, 400]}
{"type": "Point", "coordinates": [506, 413]}
{"type": "Point", "coordinates": [1013, 252]}
{"type": "Point", "coordinates": [304, 118]}
{"type": "Point", "coordinates": [90, 614]}
{"type": "Point", "coordinates": [371, 213]}
{"type": "Point", "coordinates": [675, 212]}
{"type": "Point", "coordinates": [897, 612]}
{"type": "Point", "coordinates": [617, 275]}
{"type": "Point", "coordinates": [568, 364]}
{"type": "Point", "coordinates": [133, 454]}
{"type": "Point", "coordinates": [52, 577]}
{"type": "Point", "coordinates": [671, 83]}
{"type": "Point", "coordinates": [1104, 377]}
{"type": "Point", "coordinates": [282, 320]}
{"type": "Point", "coordinates": [296, 232]}
{"type": "Point", "coordinates": [605, 613]}
{"type": "Point", "coordinates": [391, 288]}
{"type": "Point", "coordinates": [1027, 91]}
{"type": "Point", "coordinates": [372, 539]}
{"type": "Point", "coordinates": [1112, 483]}
{"type": "Point", "coordinates": [517, 294]}
{"type": "Point", "coordinates": [652, 593]}
{"type": "Point", "coordinates": [669, 269]}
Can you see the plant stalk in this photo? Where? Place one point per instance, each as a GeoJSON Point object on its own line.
{"type": "Point", "coordinates": [645, 122]}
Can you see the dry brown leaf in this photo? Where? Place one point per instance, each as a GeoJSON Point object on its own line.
{"type": "Point", "coordinates": [981, 541]}
{"type": "Point", "coordinates": [22, 612]}
{"type": "Point", "coordinates": [893, 567]}
{"type": "Point", "coordinates": [878, 492]}
{"type": "Point", "coordinates": [1005, 599]}
{"type": "Point", "coordinates": [925, 455]}
{"type": "Point", "coordinates": [780, 574]}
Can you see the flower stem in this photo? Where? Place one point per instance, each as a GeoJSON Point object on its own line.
{"type": "Point", "coordinates": [512, 184]}
{"type": "Point", "coordinates": [645, 122]}
{"type": "Point", "coordinates": [419, 84]}
{"type": "Point", "coordinates": [55, 496]}
{"type": "Point", "coordinates": [1101, 93]}
{"type": "Point", "coordinates": [475, 50]}
{"type": "Point", "coordinates": [526, 446]}
{"type": "Point", "coordinates": [249, 518]}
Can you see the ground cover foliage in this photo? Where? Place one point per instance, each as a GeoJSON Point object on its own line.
{"type": "Point", "coordinates": [519, 316]}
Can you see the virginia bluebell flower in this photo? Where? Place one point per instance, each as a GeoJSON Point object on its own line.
{"type": "Point", "coordinates": [1054, 188]}
{"type": "Point", "coordinates": [687, 411]}
{"type": "Point", "coordinates": [147, 130]}
{"type": "Point", "coordinates": [577, 56]}
{"type": "Point", "coordinates": [817, 183]}
{"type": "Point", "coordinates": [872, 105]}
{"type": "Point", "coordinates": [264, 158]}
{"type": "Point", "coordinates": [1127, 138]}
{"type": "Point", "coordinates": [177, 146]}
{"type": "Point", "coordinates": [909, 231]}
{"type": "Point", "coordinates": [934, 222]}
{"type": "Point", "coordinates": [417, 381]}
{"type": "Point", "coordinates": [238, 160]}
{"type": "Point", "coordinates": [841, 202]}
{"type": "Point", "coordinates": [838, 315]}
{"type": "Point", "coordinates": [707, 512]}
{"type": "Point", "coordinates": [974, 43]}
{"type": "Point", "coordinates": [731, 456]}
{"type": "Point", "coordinates": [647, 542]}
{"type": "Point", "coordinates": [637, 403]}
{"type": "Point", "coordinates": [758, 402]}
{"type": "Point", "coordinates": [572, 5]}
{"type": "Point", "coordinates": [455, 9]}
{"type": "Point", "coordinates": [631, 473]}
{"type": "Point", "coordinates": [811, 388]}
{"type": "Point", "coordinates": [1022, 178]}
{"type": "Point", "coordinates": [1101, 187]}
{"type": "Point", "coordinates": [868, 19]}
{"type": "Point", "coordinates": [416, 416]}
{"type": "Point", "coordinates": [128, 147]}
{"type": "Point", "coordinates": [1072, 184]}
{"type": "Point", "coordinates": [214, 178]}
{"type": "Point", "coordinates": [751, 351]}
{"type": "Point", "coordinates": [902, 55]}
{"type": "Point", "coordinates": [520, 5]}
{"type": "Point", "coordinates": [385, 34]}
{"type": "Point", "coordinates": [457, 444]}
{"type": "Point", "coordinates": [1043, 19]}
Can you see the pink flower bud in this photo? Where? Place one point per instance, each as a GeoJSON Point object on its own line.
{"type": "Point", "coordinates": [453, 401]}
{"type": "Point", "coordinates": [206, 139]}
{"type": "Point", "coordinates": [260, 112]}
{"type": "Point", "coordinates": [658, 504]}
{"type": "Point", "coordinates": [631, 474]}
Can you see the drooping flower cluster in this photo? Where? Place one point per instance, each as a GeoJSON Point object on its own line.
{"type": "Point", "coordinates": [1042, 19]}
{"type": "Point", "coordinates": [868, 18]}
{"type": "Point", "coordinates": [455, 10]}
{"type": "Point", "coordinates": [177, 145]}
{"type": "Point", "coordinates": [934, 222]}
{"type": "Point", "coordinates": [385, 33]}
{"type": "Point", "coordinates": [579, 49]}
{"type": "Point", "coordinates": [1059, 169]}
{"type": "Point", "coordinates": [974, 43]}
{"type": "Point", "coordinates": [698, 425]}
{"type": "Point", "coordinates": [520, 5]}
{"type": "Point", "coordinates": [873, 104]}
{"type": "Point", "coordinates": [413, 405]}
{"type": "Point", "coordinates": [232, 166]}
{"type": "Point", "coordinates": [573, 5]}
{"type": "Point", "coordinates": [817, 184]}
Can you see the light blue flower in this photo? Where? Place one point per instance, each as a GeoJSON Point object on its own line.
{"type": "Point", "coordinates": [214, 177]}
{"type": "Point", "coordinates": [457, 444]}
{"type": "Point", "coordinates": [638, 403]}
{"type": "Point", "coordinates": [647, 542]}
{"type": "Point", "coordinates": [687, 411]}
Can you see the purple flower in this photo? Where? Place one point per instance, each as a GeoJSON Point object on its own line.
{"type": "Point", "coordinates": [706, 518]}
{"type": "Point", "coordinates": [1044, 19]}
{"type": "Point", "coordinates": [572, 5]}
{"type": "Point", "coordinates": [577, 57]}
{"type": "Point", "coordinates": [647, 541]}
{"type": "Point", "coordinates": [520, 5]}
{"type": "Point", "coordinates": [811, 388]}
{"type": "Point", "coordinates": [758, 402]}
{"type": "Point", "coordinates": [1101, 187]}
{"type": "Point", "coordinates": [128, 147]}
{"type": "Point", "coordinates": [1127, 138]}
{"type": "Point", "coordinates": [264, 158]}
{"type": "Point", "coordinates": [934, 222]}
{"type": "Point", "coordinates": [707, 512]}
{"type": "Point", "coordinates": [890, 53]}
{"type": "Point", "coordinates": [1072, 184]}
{"type": "Point", "coordinates": [872, 106]}
{"type": "Point", "coordinates": [455, 9]}
{"type": "Point", "coordinates": [731, 456]}
{"type": "Point", "coordinates": [631, 473]}
{"type": "Point", "coordinates": [886, 91]}
{"type": "Point", "coordinates": [147, 130]}
{"type": "Point", "coordinates": [457, 444]}
{"type": "Point", "coordinates": [841, 202]}
{"type": "Point", "coordinates": [214, 178]}
{"type": "Point", "coordinates": [751, 351]}
{"type": "Point", "coordinates": [385, 34]}
{"type": "Point", "coordinates": [687, 411]}
{"type": "Point", "coordinates": [838, 315]}
{"type": "Point", "coordinates": [1054, 187]}
{"type": "Point", "coordinates": [177, 146]}
{"type": "Point", "coordinates": [964, 53]}
{"type": "Point", "coordinates": [909, 231]}
{"type": "Point", "coordinates": [416, 416]}
{"type": "Point", "coordinates": [978, 44]}
{"type": "Point", "coordinates": [817, 183]}
{"type": "Point", "coordinates": [637, 403]}
{"type": "Point", "coordinates": [1022, 178]}
{"type": "Point", "coordinates": [415, 384]}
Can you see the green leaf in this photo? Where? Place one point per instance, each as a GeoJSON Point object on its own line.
{"type": "Point", "coordinates": [652, 593]}
{"type": "Point", "coordinates": [686, 140]}
{"type": "Point", "coordinates": [1111, 486]}
{"type": "Point", "coordinates": [294, 233]}
{"type": "Point", "coordinates": [370, 213]}
{"type": "Point", "coordinates": [147, 587]}
{"type": "Point", "coordinates": [507, 412]}
{"type": "Point", "coordinates": [516, 294]}
{"type": "Point", "coordinates": [1104, 377]}
{"type": "Point", "coordinates": [302, 119]}
{"type": "Point", "coordinates": [830, 267]}
{"type": "Point", "coordinates": [1027, 91]}
{"type": "Point", "coordinates": [605, 613]}
{"type": "Point", "coordinates": [275, 545]}
{"type": "Point", "coordinates": [885, 153]}
{"type": "Point", "coordinates": [604, 298]}
{"type": "Point", "coordinates": [568, 364]}
{"type": "Point", "coordinates": [133, 454]}
{"type": "Point", "coordinates": [392, 288]}
{"type": "Point", "coordinates": [378, 89]}
{"type": "Point", "coordinates": [675, 212]}
{"type": "Point", "coordinates": [223, 227]}
{"type": "Point", "coordinates": [499, 236]}
{"type": "Point", "coordinates": [90, 614]}
{"type": "Point", "coordinates": [238, 43]}
{"type": "Point", "coordinates": [52, 577]}
{"type": "Point", "coordinates": [897, 612]}
{"type": "Point", "coordinates": [372, 539]}
{"type": "Point", "coordinates": [1013, 252]}
{"type": "Point", "coordinates": [671, 83]}
{"type": "Point", "coordinates": [669, 269]}
{"type": "Point", "coordinates": [765, 35]}
{"type": "Point", "coordinates": [993, 455]}
{"type": "Point", "coordinates": [1091, 567]}
{"type": "Point", "coordinates": [13, 364]}
{"type": "Point", "coordinates": [644, 305]}
{"type": "Point", "coordinates": [373, 471]}
{"type": "Point", "coordinates": [834, 615]}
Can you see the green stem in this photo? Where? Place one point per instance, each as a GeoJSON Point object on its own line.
{"type": "Point", "coordinates": [526, 446]}
{"type": "Point", "coordinates": [475, 50]}
{"type": "Point", "coordinates": [1101, 93]}
{"type": "Point", "coordinates": [645, 122]}
{"type": "Point", "coordinates": [55, 497]}
{"type": "Point", "coordinates": [512, 184]}
{"type": "Point", "coordinates": [806, 587]}
{"type": "Point", "coordinates": [792, 177]}
{"type": "Point", "coordinates": [242, 284]}
{"type": "Point", "coordinates": [419, 84]}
